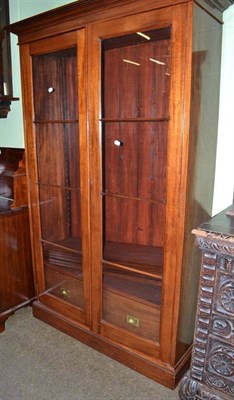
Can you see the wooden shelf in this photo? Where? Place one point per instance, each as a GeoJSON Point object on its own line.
{"type": "Point", "coordinates": [77, 274]}
{"type": "Point", "coordinates": [120, 196]}
{"type": "Point", "coordinates": [49, 185]}
{"type": "Point", "coordinates": [71, 244]}
{"type": "Point", "coordinates": [162, 119]}
{"type": "Point", "coordinates": [59, 121]}
{"type": "Point", "coordinates": [134, 286]}
{"type": "Point", "coordinates": [143, 258]}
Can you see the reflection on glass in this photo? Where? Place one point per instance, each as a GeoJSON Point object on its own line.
{"type": "Point", "coordinates": [64, 287]}
{"type": "Point", "coordinates": [135, 75]}
{"type": "Point", "coordinates": [131, 62]}
{"type": "Point", "coordinates": [157, 61]}
{"type": "Point", "coordinates": [62, 258]}
{"type": "Point", "coordinates": [60, 216]}
{"type": "Point", "coordinates": [143, 35]}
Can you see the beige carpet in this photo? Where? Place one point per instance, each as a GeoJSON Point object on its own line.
{"type": "Point", "coordinates": [38, 362]}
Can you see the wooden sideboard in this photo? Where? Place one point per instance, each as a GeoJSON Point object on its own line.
{"type": "Point", "coordinates": [16, 277]}
{"type": "Point", "coordinates": [211, 376]}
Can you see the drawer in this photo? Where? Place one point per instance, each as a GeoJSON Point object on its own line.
{"type": "Point", "coordinates": [138, 318]}
{"type": "Point", "coordinates": [64, 287]}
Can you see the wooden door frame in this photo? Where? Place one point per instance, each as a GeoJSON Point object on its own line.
{"type": "Point", "coordinates": [177, 156]}
{"type": "Point", "coordinates": [44, 46]}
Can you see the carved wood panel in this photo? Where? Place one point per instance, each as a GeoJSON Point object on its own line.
{"type": "Point", "coordinates": [212, 368]}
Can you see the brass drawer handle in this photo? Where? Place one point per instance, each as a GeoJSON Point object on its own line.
{"type": "Point", "coordinates": [133, 321]}
{"type": "Point", "coordinates": [65, 293]}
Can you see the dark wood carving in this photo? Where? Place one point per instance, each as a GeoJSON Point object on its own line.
{"type": "Point", "coordinates": [16, 280]}
{"type": "Point", "coordinates": [212, 368]}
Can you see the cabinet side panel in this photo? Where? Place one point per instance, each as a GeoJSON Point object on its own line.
{"type": "Point", "coordinates": [207, 37]}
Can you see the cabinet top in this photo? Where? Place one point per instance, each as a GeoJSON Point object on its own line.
{"type": "Point", "coordinates": [220, 229]}
{"type": "Point", "coordinates": [220, 5]}
{"type": "Point", "coordinates": [84, 11]}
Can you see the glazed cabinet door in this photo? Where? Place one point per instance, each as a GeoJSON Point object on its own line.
{"type": "Point", "coordinates": [134, 67]}
{"type": "Point", "coordinates": [57, 157]}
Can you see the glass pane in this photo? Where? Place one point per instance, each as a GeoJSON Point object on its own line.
{"type": "Point", "coordinates": [61, 216]}
{"type": "Point", "coordinates": [136, 75]}
{"type": "Point", "coordinates": [135, 117]}
{"type": "Point", "coordinates": [55, 86]}
{"type": "Point", "coordinates": [64, 287]}
{"type": "Point", "coordinates": [135, 159]}
{"type": "Point", "coordinates": [63, 259]}
{"type": "Point", "coordinates": [58, 154]}
{"type": "Point", "coordinates": [132, 302]}
{"type": "Point", "coordinates": [58, 167]}
{"type": "Point", "coordinates": [134, 233]}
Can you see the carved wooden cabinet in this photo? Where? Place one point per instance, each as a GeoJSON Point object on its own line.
{"type": "Point", "coordinates": [212, 368]}
{"type": "Point", "coordinates": [118, 98]}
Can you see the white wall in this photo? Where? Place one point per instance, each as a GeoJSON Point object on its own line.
{"type": "Point", "coordinates": [11, 129]}
{"type": "Point", "coordinates": [224, 174]}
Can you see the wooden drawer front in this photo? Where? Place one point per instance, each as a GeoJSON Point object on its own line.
{"type": "Point", "coordinates": [64, 287]}
{"type": "Point", "coordinates": [128, 314]}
